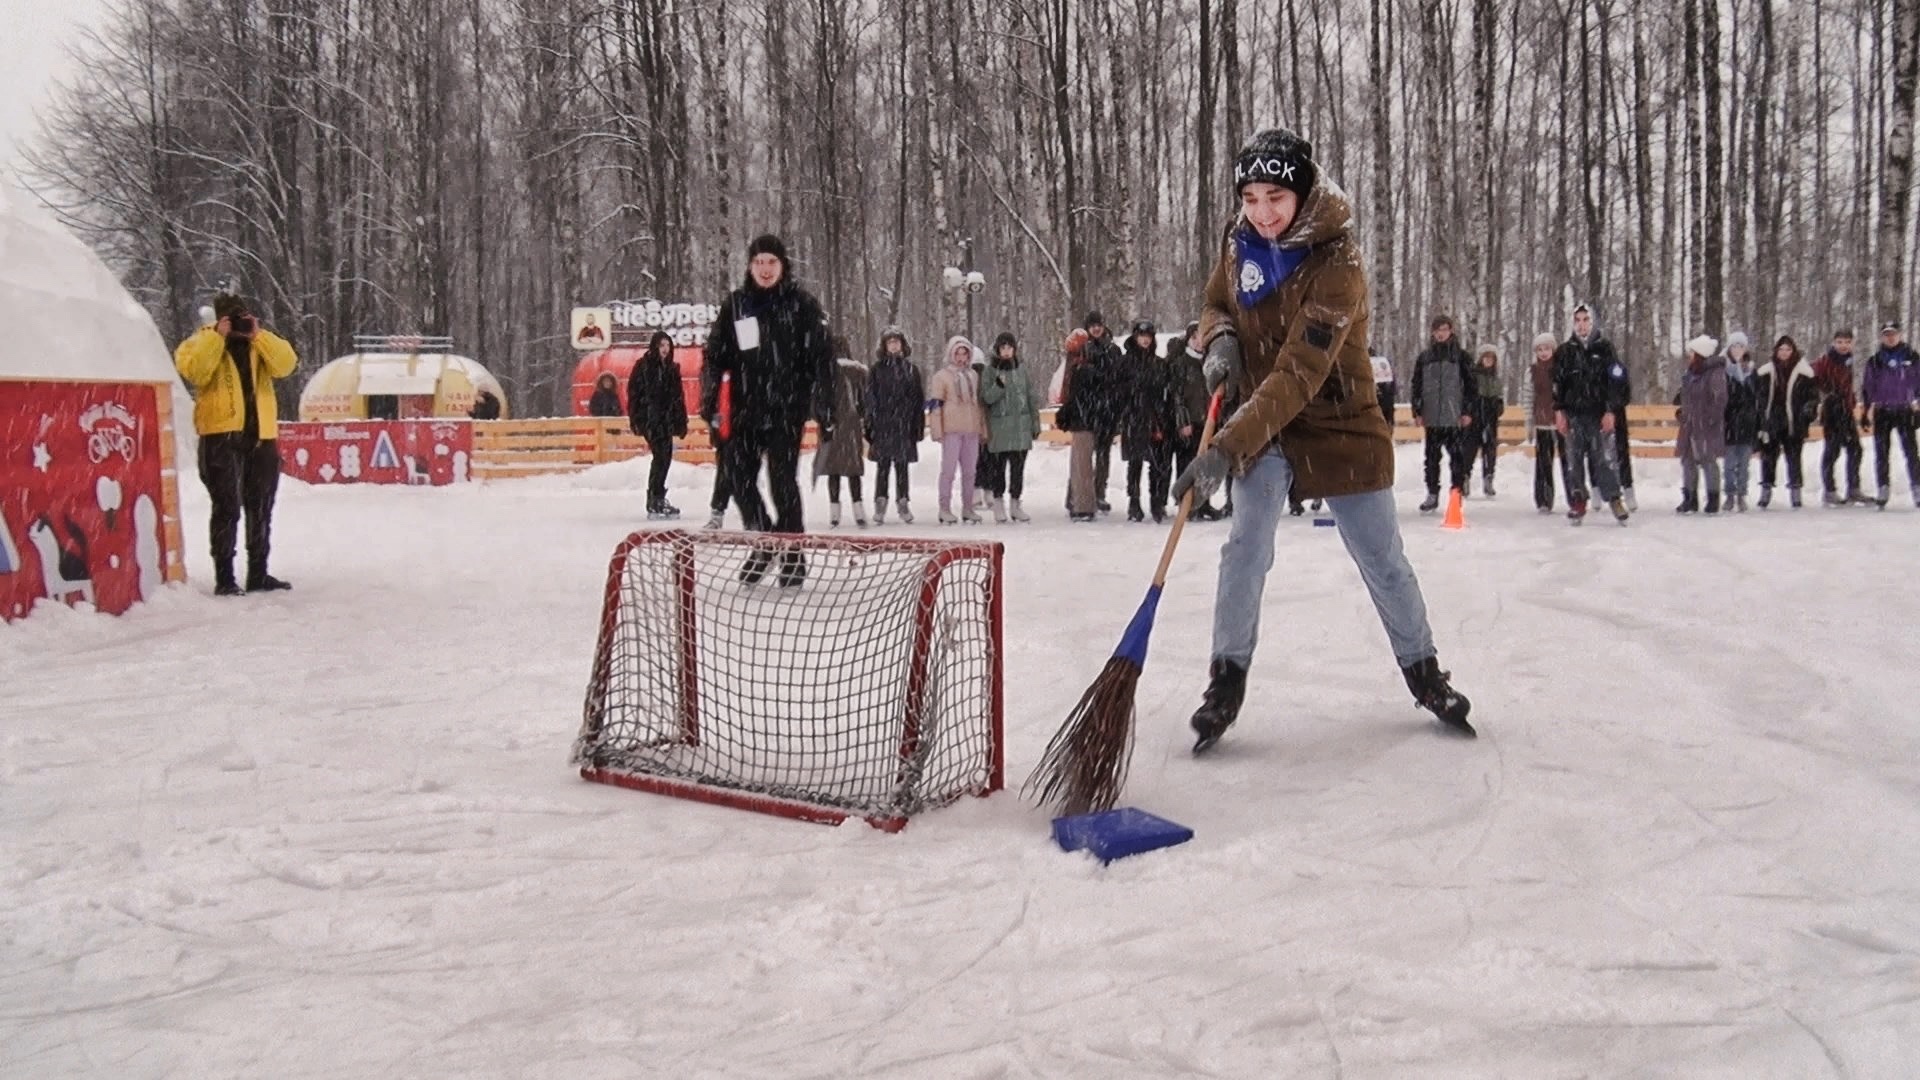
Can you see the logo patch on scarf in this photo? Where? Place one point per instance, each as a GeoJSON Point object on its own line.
{"type": "Point", "coordinates": [1251, 277]}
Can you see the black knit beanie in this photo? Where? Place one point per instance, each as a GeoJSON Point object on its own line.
{"type": "Point", "coordinates": [1004, 339]}
{"type": "Point", "coordinates": [1276, 156]}
{"type": "Point", "coordinates": [769, 244]}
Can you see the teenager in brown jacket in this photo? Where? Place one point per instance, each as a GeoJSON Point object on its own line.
{"type": "Point", "coordinates": [1285, 318]}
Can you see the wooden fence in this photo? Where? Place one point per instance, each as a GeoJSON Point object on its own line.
{"type": "Point", "coordinates": [509, 448]}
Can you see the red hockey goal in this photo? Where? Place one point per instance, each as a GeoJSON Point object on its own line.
{"type": "Point", "coordinates": [814, 677]}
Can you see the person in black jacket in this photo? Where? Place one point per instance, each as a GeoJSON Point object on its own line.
{"type": "Point", "coordinates": [896, 418]}
{"type": "Point", "coordinates": [1442, 383]}
{"type": "Point", "coordinates": [1101, 405]}
{"type": "Point", "coordinates": [657, 412]}
{"type": "Point", "coordinates": [1589, 388]}
{"type": "Point", "coordinates": [1789, 398]}
{"type": "Point", "coordinates": [1743, 422]}
{"type": "Point", "coordinates": [770, 349]}
{"type": "Point", "coordinates": [1149, 422]}
{"type": "Point", "coordinates": [605, 401]}
{"type": "Point", "coordinates": [1190, 390]}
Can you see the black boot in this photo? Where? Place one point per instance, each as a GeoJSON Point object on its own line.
{"type": "Point", "coordinates": [1134, 513]}
{"type": "Point", "coordinates": [223, 580]}
{"type": "Point", "coordinates": [1432, 693]}
{"type": "Point", "coordinates": [258, 580]}
{"type": "Point", "coordinates": [1713, 502]}
{"type": "Point", "coordinates": [755, 568]}
{"type": "Point", "coordinates": [1432, 502]}
{"type": "Point", "coordinates": [793, 569]}
{"type": "Point", "coordinates": [1226, 689]}
{"type": "Point", "coordinates": [1688, 503]}
{"type": "Point", "coordinates": [1296, 507]}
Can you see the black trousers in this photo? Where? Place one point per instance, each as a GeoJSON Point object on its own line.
{"type": "Point", "coordinates": [1385, 391]}
{"type": "Point", "coordinates": [1482, 441]}
{"type": "Point", "coordinates": [1184, 451]}
{"type": "Point", "coordinates": [1102, 464]}
{"type": "Point", "coordinates": [722, 490]}
{"type": "Point", "coordinates": [833, 487]}
{"type": "Point", "coordinates": [1889, 422]}
{"type": "Point", "coordinates": [1770, 460]}
{"type": "Point", "coordinates": [886, 468]}
{"type": "Point", "coordinates": [661, 449]}
{"type": "Point", "coordinates": [1842, 435]}
{"type": "Point", "coordinates": [1158, 463]}
{"type": "Point", "coordinates": [242, 475]}
{"type": "Point", "coordinates": [1459, 462]}
{"type": "Point", "coordinates": [1622, 449]}
{"type": "Point", "coordinates": [1548, 445]}
{"type": "Point", "coordinates": [1006, 475]}
{"type": "Point", "coordinates": [780, 452]}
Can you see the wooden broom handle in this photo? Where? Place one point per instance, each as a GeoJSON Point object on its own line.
{"type": "Point", "coordinates": [1186, 501]}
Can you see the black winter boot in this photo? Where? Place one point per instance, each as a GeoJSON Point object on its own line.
{"type": "Point", "coordinates": [793, 569]}
{"type": "Point", "coordinates": [1688, 503]}
{"type": "Point", "coordinates": [1432, 692]}
{"type": "Point", "coordinates": [1134, 513]}
{"type": "Point", "coordinates": [755, 568]}
{"type": "Point", "coordinates": [258, 580]}
{"type": "Point", "coordinates": [1432, 502]}
{"type": "Point", "coordinates": [223, 580]}
{"type": "Point", "coordinates": [1713, 502]}
{"type": "Point", "coordinates": [1226, 690]}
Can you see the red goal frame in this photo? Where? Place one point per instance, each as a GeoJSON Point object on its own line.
{"type": "Point", "coordinates": [940, 556]}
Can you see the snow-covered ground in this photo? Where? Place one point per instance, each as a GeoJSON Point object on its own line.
{"type": "Point", "coordinates": [334, 832]}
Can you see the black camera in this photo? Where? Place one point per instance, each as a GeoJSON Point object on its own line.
{"type": "Point", "coordinates": [242, 324]}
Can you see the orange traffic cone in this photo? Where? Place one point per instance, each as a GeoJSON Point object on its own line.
{"type": "Point", "coordinates": [1456, 513]}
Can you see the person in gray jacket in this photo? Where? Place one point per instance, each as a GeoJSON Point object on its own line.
{"type": "Point", "coordinates": [1442, 378]}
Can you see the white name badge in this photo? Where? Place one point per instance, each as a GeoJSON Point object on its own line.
{"type": "Point", "coordinates": [746, 333]}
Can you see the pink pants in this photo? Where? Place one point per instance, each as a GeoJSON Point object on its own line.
{"type": "Point", "coordinates": [958, 451]}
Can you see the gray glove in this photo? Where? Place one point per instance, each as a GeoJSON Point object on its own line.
{"type": "Point", "coordinates": [1223, 362]}
{"type": "Point", "coordinates": [1203, 477]}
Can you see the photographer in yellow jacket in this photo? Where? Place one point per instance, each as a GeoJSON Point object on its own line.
{"type": "Point", "coordinates": [230, 367]}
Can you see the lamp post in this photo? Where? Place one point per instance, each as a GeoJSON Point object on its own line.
{"type": "Point", "coordinates": [965, 277]}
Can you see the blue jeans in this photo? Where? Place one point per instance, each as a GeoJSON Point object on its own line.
{"type": "Point", "coordinates": [1369, 528]}
{"type": "Point", "coordinates": [1739, 465]}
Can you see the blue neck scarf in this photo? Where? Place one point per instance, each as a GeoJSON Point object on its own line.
{"type": "Point", "coordinates": [1263, 265]}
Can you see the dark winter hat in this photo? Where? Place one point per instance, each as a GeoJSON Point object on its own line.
{"type": "Point", "coordinates": [1890, 327]}
{"type": "Point", "coordinates": [1094, 319]}
{"type": "Point", "coordinates": [653, 343]}
{"type": "Point", "coordinates": [227, 305]}
{"type": "Point", "coordinates": [1276, 156]}
{"type": "Point", "coordinates": [1004, 340]}
{"type": "Point", "coordinates": [906, 347]}
{"type": "Point", "coordinates": [1193, 327]}
{"type": "Point", "coordinates": [769, 244]}
{"type": "Point", "coordinates": [1144, 326]}
{"type": "Point", "coordinates": [1440, 321]}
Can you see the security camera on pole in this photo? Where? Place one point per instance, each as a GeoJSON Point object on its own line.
{"type": "Point", "coordinates": [965, 278]}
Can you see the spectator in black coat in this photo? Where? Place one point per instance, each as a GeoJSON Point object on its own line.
{"type": "Point", "coordinates": [657, 412]}
{"type": "Point", "coordinates": [896, 418]}
{"type": "Point", "coordinates": [1149, 422]}
{"type": "Point", "coordinates": [605, 401]}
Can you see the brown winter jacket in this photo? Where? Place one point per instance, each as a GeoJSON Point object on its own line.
{"type": "Point", "coordinates": [1543, 392]}
{"type": "Point", "coordinates": [1309, 381]}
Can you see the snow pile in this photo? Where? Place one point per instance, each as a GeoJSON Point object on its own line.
{"type": "Point", "coordinates": [332, 832]}
{"type": "Point", "coordinates": [67, 316]}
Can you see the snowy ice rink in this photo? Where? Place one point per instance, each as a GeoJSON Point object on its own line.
{"type": "Point", "coordinates": [333, 833]}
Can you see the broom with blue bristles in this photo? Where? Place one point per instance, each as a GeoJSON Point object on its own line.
{"type": "Point", "coordinates": [1085, 765]}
